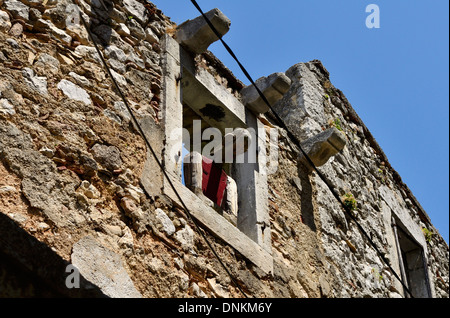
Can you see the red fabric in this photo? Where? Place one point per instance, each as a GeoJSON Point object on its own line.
{"type": "Point", "coordinates": [214, 181]}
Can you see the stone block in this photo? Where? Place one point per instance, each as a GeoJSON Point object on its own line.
{"type": "Point", "coordinates": [165, 222]}
{"type": "Point", "coordinates": [136, 10]}
{"type": "Point", "coordinates": [323, 146]}
{"type": "Point", "coordinates": [74, 92]}
{"type": "Point", "coordinates": [103, 268]}
{"type": "Point", "coordinates": [5, 23]}
{"type": "Point", "coordinates": [108, 156]}
{"type": "Point", "coordinates": [42, 25]}
{"type": "Point", "coordinates": [6, 107]}
{"type": "Point", "coordinates": [273, 87]}
{"type": "Point", "coordinates": [17, 9]}
{"type": "Point", "coordinates": [196, 35]}
{"type": "Point", "coordinates": [37, 83]}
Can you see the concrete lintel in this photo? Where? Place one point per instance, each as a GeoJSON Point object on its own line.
{"type": "Point", "coordinates": [201, 89]}
{"type": "Point", "coordinates": [323, 146]}
{"type": "Point", "coordinates": [403, 216]}
{"type": "Point", "coordinates": [196, 35]}
{"type": "Point", "coordinates": [220, 227]}
{"type": "Point", "coordinates": [273, 87]}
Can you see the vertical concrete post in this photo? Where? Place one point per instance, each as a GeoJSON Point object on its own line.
{"type": "Point", "coordinates": [172, 107]}
{"type": "Point", "coordinates": [251, 180]}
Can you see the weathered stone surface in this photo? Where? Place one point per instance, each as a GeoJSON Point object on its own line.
{"type": "Point", "coordinates": [117, 66]}
{"type": "Point", "coordinates": [150, 36]}
{"type": "Point", "coordinates": [186, 238]}
{"type": "Point", "coordinates": [6, 107]}
{"type": "Point", "coordinates": [17, 9]}
{"type": "Point", "coordinates": [38, 83]}
{"type": "Point", "coordinates": [122, 110]}
{"type": "Point", "coordinates": [13, 43]}
{"type": "Point", "coordinates": [7, 189]}
{"type": "Point", "coordinates": [103, 268]}
{"type": "Point", "coordinates": [107, 35]}
{"type": "Point", "coordinates": [16, 30]}
{"type": "Point", "coordinates": [113, 52]}
{"type": "Point", "coordinates": [197, 36]}
{"type": "Point", "coordinates": [118, 16]}
{"type": "Point", "coordinates": [74, 27]}
{"type": "Point", "coordinates": [136, 30]}
{"type": "Point", "coordinates": [165, 221]}
{"type": "Point", "coordinates": [301, 108]}
{"type": "Point", "coordinates": [46, 64]}
{"type": "Point", "coordinates": [88, 190]}
{"type": "Point", "coordinates": [35, 14]}
{"type": "Point", "coordinates": [108, 156]}
{"type": "Point", "coordinates": [44, 188]}
{"type": "Point", "coordinates": [122, 29]}
{"type": "Point", "coordinates": [74, 92]}
{"type": "Point", "coordinates": [5, 23]}
{"type": "Point", "coordinates": [81, 80]}
{"type": "Point", "coordinates": [136, 10]}
{"type": "Point", "coordinates": [45, 26]}
{"type": "Point", "coordinates": [58, 14]}
{"type": "Point", "coordinates": [19, 218]}
{"type": "Point", "coordinates": [273, 87]}
{"type": "Point", "coordinates": [322, 147]}
{"type": "Point", "coordinates": [120, 79]}
{"type": "Point", "coordinates": [88, 52]}
{"type": "Point", "coordinates": [113, 116]}
{"type": "Point", "coordinates": [152, 177]}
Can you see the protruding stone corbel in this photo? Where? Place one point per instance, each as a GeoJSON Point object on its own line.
{"type": "Point", "coordinates": [273, 87]}
{"type": "Point", "coordinates": [323, 146]}
{"type": "Point", "coordinates": [196, 35]}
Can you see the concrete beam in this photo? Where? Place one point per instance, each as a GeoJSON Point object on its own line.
{"type": "Point", "coordinates": [323, 146]}
{"type": "Point", "coordinates": [273, 87]}
{"type": "Point", "coordinates": [210, 100]}
{"type": "Point", "coordinates": [221, 228]}
{"type": "Point", "coordinates": [196, 35]}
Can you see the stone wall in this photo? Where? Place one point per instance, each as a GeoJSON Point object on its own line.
{"type": "Point", "coordinates": [344, 262]}
{"type": "Point", "coordinates": [71, 162]}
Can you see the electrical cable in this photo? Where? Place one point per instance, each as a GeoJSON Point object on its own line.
{"type": "Point", "coordinates": [136, 123]}
{"type": "Point", "coordinates": [295, 139]}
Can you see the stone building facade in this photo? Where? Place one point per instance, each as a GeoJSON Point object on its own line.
{"type": "Point", "coordinates": [82, 193]}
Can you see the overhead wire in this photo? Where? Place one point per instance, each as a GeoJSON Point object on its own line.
{"type": "Point", "coordinates": [297, 142]}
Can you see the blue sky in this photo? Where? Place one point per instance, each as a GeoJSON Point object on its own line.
{"type": "Point", "coordinates": [396, 77]}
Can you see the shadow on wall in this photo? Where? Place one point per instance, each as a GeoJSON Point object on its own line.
{"type": "Point", "coordinates": [30, 268]}
{"type": "Point", "coordinates": [307, 204]}
{"type": "Point", "coordinates": [101, 26]}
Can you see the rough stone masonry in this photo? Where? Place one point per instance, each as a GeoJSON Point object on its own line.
{"type": "Point", "coordinates": [72, 166]}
